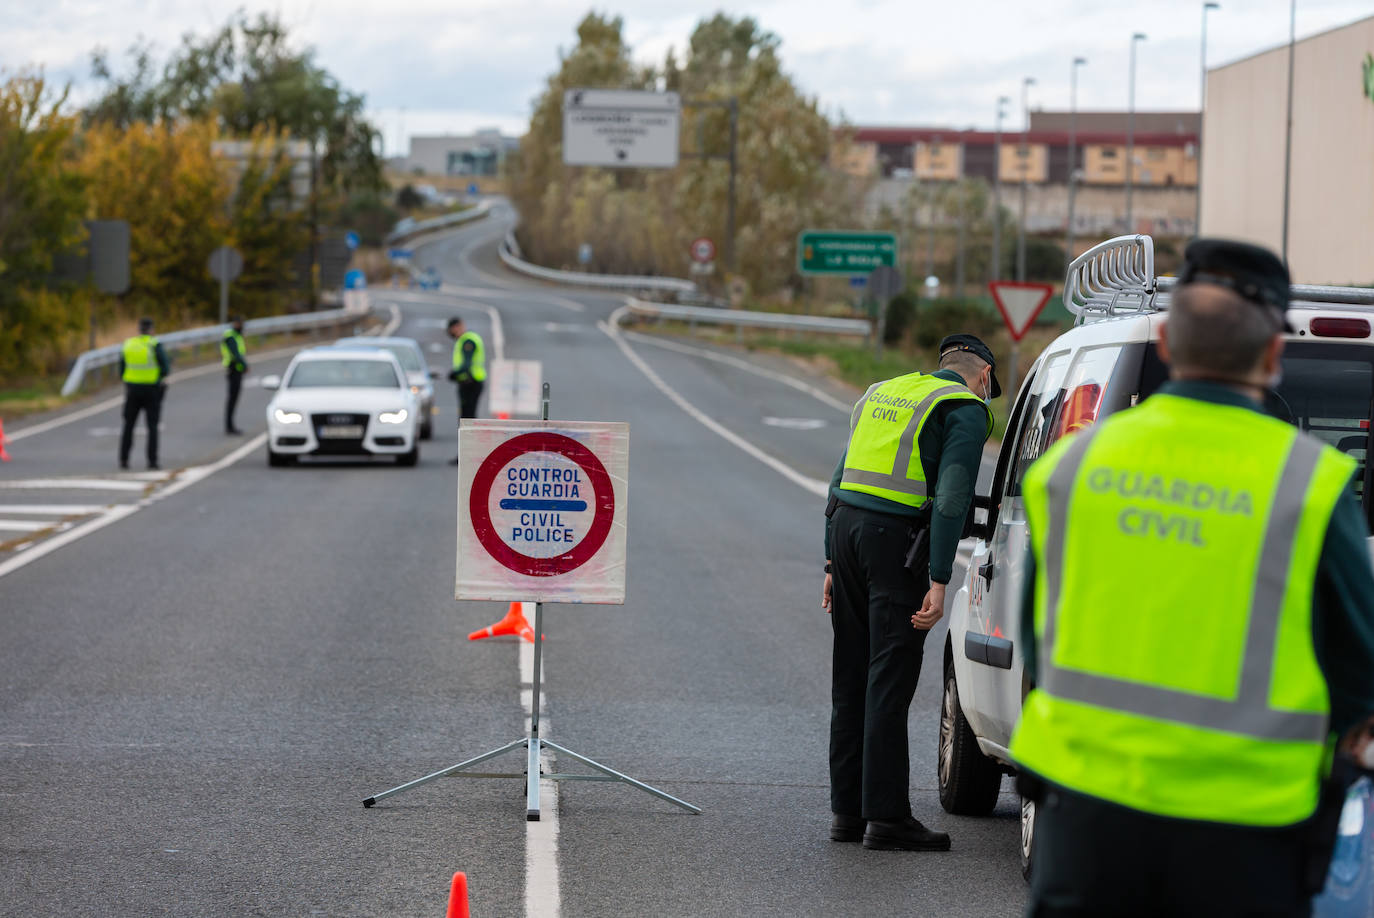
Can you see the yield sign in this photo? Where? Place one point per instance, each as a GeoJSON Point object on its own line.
{"type": "Point", "coordinates": [1019, 303]}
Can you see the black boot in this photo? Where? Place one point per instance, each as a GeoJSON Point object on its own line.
{"type": "Point", "coordinates": [903, 835]}
{"type": "Point", "coordinates": [847, 828]}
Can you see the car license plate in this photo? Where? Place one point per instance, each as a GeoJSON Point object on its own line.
{"type": "Point", "coordinates": [341, 432]}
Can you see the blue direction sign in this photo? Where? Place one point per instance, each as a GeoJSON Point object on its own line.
{"type": "Point", "coordinates": [355, 280]}
{"type": "Point", "coordinates": [399, 254]}
{"type": "Point", "coordinates": [845, 251]}
{"type": "Point", "coordinates": [351, 240]}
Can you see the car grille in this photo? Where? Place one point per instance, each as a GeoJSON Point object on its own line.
{"type": "Point", "coordinates": [320, 420]}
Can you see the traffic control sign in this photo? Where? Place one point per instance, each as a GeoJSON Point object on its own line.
{"type": "Point", "coordinates": [1019, 303]}
{"type": "Point", "coordinates": [703, 250]}
{"type": "Point", "coordinates": [541, 511]}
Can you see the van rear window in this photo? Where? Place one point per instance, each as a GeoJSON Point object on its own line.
{"type": "Point", "coordinates": [1327, 391]}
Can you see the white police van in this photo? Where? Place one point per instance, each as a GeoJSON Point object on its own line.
{"type": "Point", "coordinates": [1108, 362]}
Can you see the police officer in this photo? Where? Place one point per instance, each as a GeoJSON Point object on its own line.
{"type": "Point", "coordinates": [899, 500]}
{"type": "Point", "coordinates": [233, 353]}
{"type": "Point", "coordinates": [143, 366]}
{"type": "Point", "coordinates": [1202, 628]}
{"type": "Point", "coordinates": [469, 367]}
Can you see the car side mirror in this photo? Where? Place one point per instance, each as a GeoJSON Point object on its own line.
{"type": "Point", "coordinates": [433, 374]}
{"type": "Point", "coordinates": [271, 383]}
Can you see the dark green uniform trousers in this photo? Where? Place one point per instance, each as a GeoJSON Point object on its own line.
{"type": "Point", "coordinates": [877, 660]}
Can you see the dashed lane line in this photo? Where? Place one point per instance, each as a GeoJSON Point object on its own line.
{"type": "Point", "coordinates": [73, 484]}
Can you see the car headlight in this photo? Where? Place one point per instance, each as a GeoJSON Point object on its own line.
{"type": "Point", "coordinates": [287, 417]}
{"type": "Point", "coordinates": [394, 417]}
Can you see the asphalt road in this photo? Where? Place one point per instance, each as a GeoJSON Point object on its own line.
{"type": "Point", "coordinates": [205, 671]}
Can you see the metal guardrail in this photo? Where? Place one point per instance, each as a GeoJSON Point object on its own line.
{"type": "Point", "coordinates": [509, 250]}
{"type": "Point", "coordinates": [438, 223]}
{"type": "Point", "coordinates": [109, 356]}
{"type": "Point", "coordinates": [745, 317]}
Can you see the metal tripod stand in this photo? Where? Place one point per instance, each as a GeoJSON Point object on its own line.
{"type": "Point", "coordinates": [534, 743]}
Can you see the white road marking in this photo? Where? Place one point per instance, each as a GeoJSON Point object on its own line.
{"type": "Point", "coordinates": [118, 512]}
{"type": "Point", "coordinates": [794, 423]}
{"type": "Point", "coordinates": [74, 484]}
{"type": "Point", "coordinates": [53, 509]}
{"type": "Point", "coordinates": [612, 330]}
{"type": "Point", "coordinates": [24, 525]}
{"type": "Point", "coordinates": [542, 894]}
{"type": "Point", "coordinates": [819, 394]}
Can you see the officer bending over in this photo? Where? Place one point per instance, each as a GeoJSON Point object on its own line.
{"type": "Point", "coordinates": [1202, 629]}
{"type": "Point", "coordinates": [899, 500]}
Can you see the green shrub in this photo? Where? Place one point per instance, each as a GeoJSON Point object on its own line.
{"type": "Point", "coordinates": [901, 315]}
{"type": "Point", "coordinates": [947, 317]}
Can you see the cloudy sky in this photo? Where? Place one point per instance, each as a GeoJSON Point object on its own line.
{"type": "Point", "coordinates": [450, 66]}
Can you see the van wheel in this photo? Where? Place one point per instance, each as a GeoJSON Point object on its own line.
{"type": "Point", "coordinates": [277, 460]}
{"type": "Point", "coordinates": [969, 780]}
{"type": "Point", "coordinates": [1027, 837]}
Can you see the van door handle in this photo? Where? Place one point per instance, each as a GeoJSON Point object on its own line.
{"type": "Point", "coordinates": [985, 571]}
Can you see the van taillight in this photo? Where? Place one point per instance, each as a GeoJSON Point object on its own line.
{"type": "Point", "coordinates": [1341, 328]}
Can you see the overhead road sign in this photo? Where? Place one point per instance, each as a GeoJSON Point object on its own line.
{"type": "Point", "coordinates": [1019, 303]}
{"type": "Point", "coordinates": [513, 387]}
{"type": "Point", "coordinates": [541, 511]}
{"type": "Point", "coordinates": [846, 252]}
{"type": "Point", "coordinates": [621, 128]}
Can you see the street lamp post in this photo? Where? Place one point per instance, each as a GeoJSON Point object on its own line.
{"type": "Point", "coordinates": [1202, 116]}
{"type": "Point", "coordinates": [1073, 153]}
{"type": "Point", "coordinates": [1130, 136]}
{"type": "Point", "coordinates": [1023, 158]}
{"type": "Point", "coordinates": [996, 269]}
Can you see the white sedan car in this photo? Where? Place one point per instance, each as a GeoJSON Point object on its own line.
{"type": "Point", "coordinates": [336, 401]}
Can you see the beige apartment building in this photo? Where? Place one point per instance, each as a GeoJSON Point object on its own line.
{"type": "Point", "coordinates": [1331, 196]}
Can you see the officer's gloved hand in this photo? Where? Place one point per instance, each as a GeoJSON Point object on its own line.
{"type": "Point", "coordinates": [453, 375]}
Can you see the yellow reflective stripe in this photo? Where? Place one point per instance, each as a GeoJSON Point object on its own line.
{"type": "Point", "coordinates": [1249, 714]}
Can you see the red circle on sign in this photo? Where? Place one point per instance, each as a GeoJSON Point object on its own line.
{"type": "Point", "coordinates": [703, 250]}
{"type": "Point", "coordinates": [603, 503]}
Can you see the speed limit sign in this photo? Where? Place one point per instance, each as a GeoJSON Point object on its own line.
{"type": "Point", "coordinates": [703, 250]}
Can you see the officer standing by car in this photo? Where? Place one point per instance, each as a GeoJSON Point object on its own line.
{"type": "Point", "coordinates": [1202, 629]}
{"type": "Point", "coordinates": [469, 367]}
{"type": "Point", "coordinates": [233, 353]}
{"type": "Point", "coordinates": [144, 367]}
{"type": "Point", "coordinates": [899, 501]}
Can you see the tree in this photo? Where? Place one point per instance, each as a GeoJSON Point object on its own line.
{"type": "Point", "coordinates": [246, 76]}
{"type": "Point", "coordinates": [641, 221]}
{"type": "Point", "coordinates": [41, 210]}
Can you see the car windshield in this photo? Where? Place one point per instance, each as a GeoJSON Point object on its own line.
{"type": "Point", "coordinates": [406, 355]}
{"type": "Point", "coordinates": [361, 373]}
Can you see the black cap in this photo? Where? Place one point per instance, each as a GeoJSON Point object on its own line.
{"type": "Point", "coordinates": [977, 348]}
{"type": "Point", "coordinates": [145, 325]}
{"type": "Point", "coordinates": [1252, 272]}
{"type": "Point", "coordinates": [456, 320]}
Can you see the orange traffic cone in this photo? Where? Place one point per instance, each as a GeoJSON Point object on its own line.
{"type": "Point", "coordinates": [4, 456]}
{"type": "Point", "coordinates": [458, 897]}
{"type": "Point", "coordinates": [513, 623]}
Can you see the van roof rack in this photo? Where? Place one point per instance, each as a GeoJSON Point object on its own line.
{"type": "Point", "coordinates": [1117, 278]}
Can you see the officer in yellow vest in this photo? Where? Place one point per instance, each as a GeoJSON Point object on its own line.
{"type": "Point", "coordinates": [143, 366]}
{"type": "Point", "coordinates": [1202, 628]}
{"type": "Point", "coordinates": [469, 367]}
{"type": "Point", "coordinates": [233, 354]}
{"type": "Point", "coordinates": [899, 502]}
